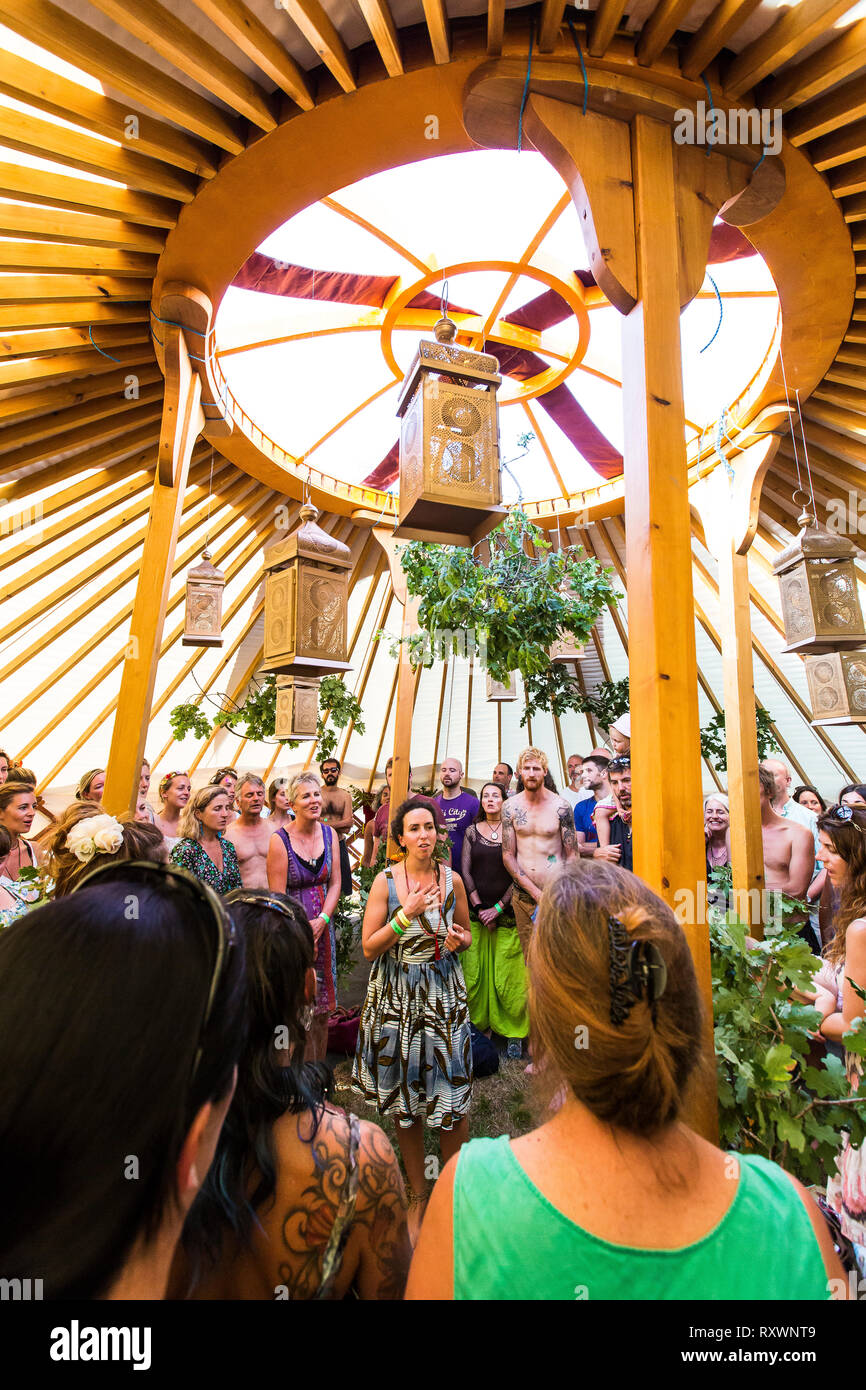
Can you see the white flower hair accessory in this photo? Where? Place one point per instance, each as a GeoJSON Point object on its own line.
{"type": "Point", "coordinates": [96, 835]}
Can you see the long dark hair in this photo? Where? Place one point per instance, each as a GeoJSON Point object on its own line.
{"type": "Point", "coordinates": [414, 803]}
{"type": "Point", "coordinates": [848, 838]}
{"type": "Point", "coordinates": [243, 1176]}
{"type": "Point", "coordinates": [482, 814]}
{"type": "Point", "coordinates": [101, 1013]}
{"type": "Point", "coordinates": [798, 792]}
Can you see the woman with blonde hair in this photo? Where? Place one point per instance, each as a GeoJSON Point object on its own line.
{"type": "Point", "coordinates": [203, 848]}
{"type": "Point", "coordinates": [91, 786]}
{"type": "Point", "coordinates": [84, 836]}
{"type": "Point", "coordinates": [617, 1197]}
{"type": "Point", "coordinates": [174, 790]}
{"type": "Point", "coordinates": [17, 813]}
{"type": "Point", "coordinates": [304, 862]}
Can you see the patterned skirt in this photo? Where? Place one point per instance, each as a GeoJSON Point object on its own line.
{"type": "Point", "coordinates": [414, 1055]}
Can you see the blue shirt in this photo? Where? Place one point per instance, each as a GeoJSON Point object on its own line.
{"type": "Point", "coordinates": [583, 813]}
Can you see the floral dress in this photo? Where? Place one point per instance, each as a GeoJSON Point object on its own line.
{"type": "Point", "coordinates": [190, 855]}
{"type": "Point", "coordinates": [414, 1055]}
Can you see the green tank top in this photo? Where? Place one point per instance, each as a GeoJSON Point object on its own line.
{"type": "Point", "coordinates": [510, 1242]}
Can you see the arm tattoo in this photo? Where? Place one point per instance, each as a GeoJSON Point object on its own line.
{"type": "Point", "coordinates": [566, 829]}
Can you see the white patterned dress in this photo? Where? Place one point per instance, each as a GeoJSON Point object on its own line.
{"type": "Point", "coordinates": [414, 1055]}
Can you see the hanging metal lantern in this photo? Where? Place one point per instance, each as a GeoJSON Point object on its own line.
{"type": "Point", "coordinates": [449, 443]}
{"type": "Point", "coordinates": [297, 711]}
{"type": "Point", "coordinates": [204, 602]}
{"type": "Point", "coordinates": [306, 602]}
{"type": "Point", "coordinates": [498, 692]}
{"type": "Point", "coordinates": [837, 687]}
{"type": "Point", "coordinates": [818, 584]}
{"type": "Point", "coordinates": [566, 649]}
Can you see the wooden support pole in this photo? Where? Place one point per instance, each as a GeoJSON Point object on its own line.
{"type": "Point", "coordinates": [667, 816]}
{"type": "Point", "coordinates": [407, 683]}
{"type": "Point", "coordinates": [182, 422]}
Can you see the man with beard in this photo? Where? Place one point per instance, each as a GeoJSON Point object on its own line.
{"type": "Point", "coordinates": [619, 776]}
{"type": "Point", "coordinates": [457, 808]}
{"type": "Point", "coordinates": [537, 837]}
{"type": "Point", "coordinates": [337, 813]}
{"type": "Point", "coordinates": [250, 834]}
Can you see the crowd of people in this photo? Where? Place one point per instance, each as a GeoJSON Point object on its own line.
{"type": "Point", "coordinates": [514, 912]}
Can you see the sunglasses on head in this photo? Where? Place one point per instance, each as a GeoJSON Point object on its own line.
{"type": "Point", "coordinates": [226, 931]}
{"type": "Point", "coordinates": [845, 815]}
{"type": "Point", "coordinates": [619, 765]}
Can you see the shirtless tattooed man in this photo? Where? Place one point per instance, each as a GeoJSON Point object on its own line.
{"type": "Point", "coordinates": [537, 837]}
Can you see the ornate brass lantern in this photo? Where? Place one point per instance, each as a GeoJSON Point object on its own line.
{"type": "Point", "coordinates": [837, 687]}
{"type": "Point", "coordinates": [449, 443]}
{"type": "Point", "coordinates": [820, 604]}
{"type": "Point", "coordinates": [306, 602]}
{"type": "Point", "coordinates": [204, 601]}
{"type": "Point", "coordinates": [498, 692]}
{"type": "Point", "coordinates": [297, 708]}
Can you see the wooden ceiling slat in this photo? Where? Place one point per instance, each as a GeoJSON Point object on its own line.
{"type": "Point", "coordinates": [70, 438]}
{"type": "Point", "coordinates": [835, 470]}
{"type": "Point", "coordinates": [660, 28]}
{"type": "Point", "coordinates": [854, 209]}
{"type": "Point", "coordinates": [832, 112]}
{"type": "Point", "coordinates": [39, 87]}
{"type": "Point", "coordinates": [167, 35]}
{"type": "Point", "coordinates": [321, 34]}
{"type": "Point", "coordinates": [39, 289]}
{"type": "Point", "coordinates": [39, 343]}
{"type": "Point", "coordinates": [127, 444]}
{"type": "Point", "coordinates": [719, 25]}
{"type": "Point", "coordinates": [851, 423]}
{"type": "Point", "coordinates": [552, 12]}
{"type": "Point", "coordinates": [248, 34]}
{"type": "Point", "coordinates": [794, 29]}
{"type": "Point", "coordinates": [439, 29]}
{"type": "Point", "coordinates": [24, 132]}
{"type": "Point", "coordinates": [48, 26]}
{"type": "Point", "coordinates": [380, 22]}
{"type": "Point", "coordinates": [604, 25]}
{"type": "Point", "coordinates": [47, 425]}
{"type": "Point", "coordinates": [840, 147]}
{"type": "Point", "coordinates": [67, 312]}
{"type": "Point", "coordinates": [84, 195]}
{"type": "Point", "coordinates": [840, 58]}
{"type": "Point", "coordinates": [850, 178]}
{"type": "Point", "coordinates": [45, 402]}
{"type": "Point", "coordinates": [63, 258]}
{"type": "Point", "coordinates": [80, 228]}
{"type": "Point", "coordinates": [69, 365]}
{"type": "Point", "coordinates": [495, 26]}
{"type": "Point", "coordinates": [839, 395]}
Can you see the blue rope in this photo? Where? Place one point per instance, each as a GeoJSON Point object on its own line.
{"type": "Point", "coordinates": [712, 107]}
{"type": "Point", "coordinates": [98, 348]}
{"type": "Point", "coordinates": [580, 56]}
{"type": "Point", "coordinates": [721, 313]}
{"type": "Point", "coordinates": [525, 89]}
{"type": "Point", "coordinates": [718, 449]}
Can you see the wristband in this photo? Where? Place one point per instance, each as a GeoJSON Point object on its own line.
{"type": "Point", "coordinates": [395, 927]}
{"type": "Point", "coordinates": [499, 908]}
{"type": "Point", "coordinates": [325, 918]}
{"type": "Point", "coordinates": [402, 918]}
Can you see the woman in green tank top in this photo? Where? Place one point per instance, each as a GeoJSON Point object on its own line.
{"type": "Point", "coordinates": [614, 1197]}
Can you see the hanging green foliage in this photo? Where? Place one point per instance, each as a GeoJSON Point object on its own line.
{"type": "Point", "coordinates": [714, 744]}
{"type": "Point", "coordinates": [255, 718]}
{"type": "Point", "coordinates": [509, 612]}
{"type": "Point", "coordinates": [607, 702]}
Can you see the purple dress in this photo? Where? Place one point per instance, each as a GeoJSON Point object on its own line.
{"type": "Point", "coordinates": [308, 884]}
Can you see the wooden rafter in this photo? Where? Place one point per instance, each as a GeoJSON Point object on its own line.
{"type": "Point", "coordinates": [85, 195]}
{"type": "Point", "coordinates": [795, 28]}
{"type": "Point", "coordinates": [720, 25]}
{"type": "Point", "coordinates": [322, 35]}
{"type": "Point", "coordinates": [552, 12]}
{"type": "Point", "coordinates": [247, 33]}
{"type": "Point", "coordinates": [438, 29]}
{"type": "Point", "coordinates": [495, 26]}
{"type": "Point", "coordinates": [660, 28]}
{"type": "Point", "coordinates": [380, 22]}
{"type": "Point", "coordinates": [840, 58]}
{"type": "Point", "coordinates": [605, 23]}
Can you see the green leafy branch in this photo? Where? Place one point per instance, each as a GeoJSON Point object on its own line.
{"type": "Point", "coordinates": [255, 718]}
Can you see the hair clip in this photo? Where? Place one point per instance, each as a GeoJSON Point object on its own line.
{"type": "Point", "coordinates": [637, 970]}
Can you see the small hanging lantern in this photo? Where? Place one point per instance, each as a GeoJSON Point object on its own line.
{"type": "Point", "coordinates": [297, 711]}
{"type": "Point", "coordinates": [498, 692]}
{"type": "Point", "coordinates": [820, 604]}
{"type": "Point", "coordinates": [306, 601]}
{"type": "Point", "coordinates": [449, 443]}
{"type": "Point", "coordinates": [204, 601]}
{"type": "Point", "coordinates": [837, 687]}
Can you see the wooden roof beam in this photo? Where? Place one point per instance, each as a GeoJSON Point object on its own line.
{"type": "Point", "coordinates": [719, 25]}
{"type": "Point", "coordinates": [495, 26]}
{"type": "Point", "coordinates": [71, 364]}
{"type": "Point", "coordinates": [841, 147]}
{"type": "Point", "coordinates": [552, 12]}
{"type": "Point", "coordinates": [38, 343]}
{"type": "Point", "coordinates": [604, 25]}
{"type": "Point", "coordinates": [40, 87]}
{"type": "Point", "coordinates": [21, 316]}
{"type": "Point", "coordinates": [321, 34]}
{"type": "Point", "coordinates": [43, 403]}
{"type": "Point", "coordinates": [62, 422]}
{"type": "Point", "coordinates": [439, 29]}
{"type": "Point", "coordinates": [51, 28]}
{"type": "Point", "coordinates": [84, 195]}
{"type": "Point", "coordinates": [161, 30]}
{"type": "Point", "coordinates": [791, 32]}
{"type": "Point", "coordinates": [263, 48]}
{"type": "Point", "coordinates": [26, 257]}
{"type": "Point", "coordinates": [80, 228]}
{"type": "Point", "coordinates": [832, 112]}
{"type": "Point", "coordinates": [660, 28]}
{"type": "Point", "coordinates": [20, 131]}
{"type": "Point", "coordinates": [381, 24]}
{"type": "Point", "coordinates": [849, 178]}
{"type": "Point", "coordinates": [842, 57]}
